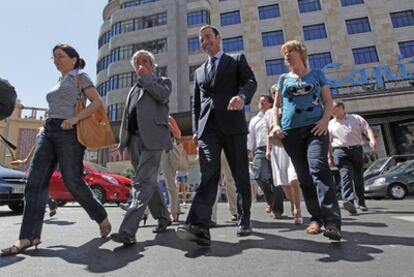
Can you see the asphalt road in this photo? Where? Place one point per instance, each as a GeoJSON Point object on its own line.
{"type": "Point", "coordinates": [379, 242]}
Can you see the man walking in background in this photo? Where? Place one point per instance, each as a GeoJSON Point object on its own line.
{"type": "Point", "coordinates": [346, 135]}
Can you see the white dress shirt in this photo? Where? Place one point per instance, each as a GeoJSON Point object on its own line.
{"type": "Point", "coordinates": [258, 131]}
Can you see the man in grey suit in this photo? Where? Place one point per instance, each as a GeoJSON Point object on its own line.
{"type": "Point", "coordinates": [222, 86]}
{"type": "Point", "coordinates": [144, 132]}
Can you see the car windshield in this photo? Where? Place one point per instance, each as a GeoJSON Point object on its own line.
{"type": "Point", "coordinates": [399, 168]}
{"type": "Point", "coordinates": [98, 168]}
{"type": "Point", "coordinates": [376, 166]}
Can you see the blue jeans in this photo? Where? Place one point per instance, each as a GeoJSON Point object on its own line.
{"type": "Point", "coordinates": [56, 146]}
{"type": "Point", "coordinates": [350, 163]}
{"type": "Point", "coordinates": [262, 169]}
{"type": "Point", "coordinates": [309, 157]}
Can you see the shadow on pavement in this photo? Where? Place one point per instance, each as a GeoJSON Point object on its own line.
{"type": "Point", "coordinates": [356, 246]}
{"type": "Point", "coordinates": [56, 221]}
{"type": "Point", "coordinates": [89, 254]}
{"type": "Point", "coordinates": [9, 213]}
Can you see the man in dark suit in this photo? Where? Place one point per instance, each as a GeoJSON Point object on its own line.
{"type": "Point", "coordinates": [223, 85]}
{"type": "Point", "coordinates": [144, 131]}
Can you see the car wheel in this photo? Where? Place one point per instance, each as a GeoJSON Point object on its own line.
{"type": "Point", "coordinates": [397, 191]}
{"type": "Point", "coordinates": [61, 203]}
{"type": "Point", "coordinates": [99, 194]}
{"type": "Point", "coordinates": [17, 207]}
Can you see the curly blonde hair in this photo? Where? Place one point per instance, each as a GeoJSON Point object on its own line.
{"type": "Point", "coordinates": [295, 45]}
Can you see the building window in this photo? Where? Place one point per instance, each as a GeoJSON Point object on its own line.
{"type": "Point", "coordinates": [351, 2]}
{"type": "Point", "coordinates": [358, 25]}
{"type": "Point", "coordinates": [272, 38]}
{"type": "Point", "coordinates": [275, 67]}
{"type": "Point", "coordinates": [402, 19]}
{"type": "Point", "coordinates": [194, 45]}
{"type": "Point", "coordinates": [233, 44]}
{"type": "Point", "coordinates": [198, 18]}
{"type": "Point", "coordinates": [365, 55]}
{"type": "Point", "coordinates": [314, 31]}
{"type": "Point", "coordinates": [269, 11]}
{"type": "Point", "coordinates": [319, 60]}
{"type": "Point", "coordinates": [103, 63]}
{"type": "Point", "coordinates": [115, 111]}
{"type": "Point", "coordinates": [230, 18]}
{"type": "Point", "coordinates": [134, 3]}
{"type": "Point", "coordinates": [191, 71]}
{"type": "Point", "coordinates": [309, 5]}
{"type": "Point", "coordinates": [407, 48]}
{"type": "Point", "coordinates": [104, 39]}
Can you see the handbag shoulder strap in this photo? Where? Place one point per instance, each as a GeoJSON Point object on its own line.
{"type": "Point", "coordinates": [81, 94]}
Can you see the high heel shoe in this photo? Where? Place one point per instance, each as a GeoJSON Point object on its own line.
{"type": "Point", "coordinates": [14, 249]}
{"type": "Point", "coordinates": [144, 219]}
{"type": "Point", "coordinates": [105, 228]}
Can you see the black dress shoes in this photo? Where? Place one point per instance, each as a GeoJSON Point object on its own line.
{"type": "Point", "coordinates": [162, 227]}
{"type": "Point", "coordinates": [243, 231]}
{"type": "Point", "coordinates": [199, 235]}
{"type": "Point", "coordinates": [123, 238]}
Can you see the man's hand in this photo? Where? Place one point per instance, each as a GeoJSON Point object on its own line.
{"type": "Point", "coordinates": [236, 103]}
{"type": "Point", "coordinates": [373, 144]}
{"type": "Point", "coordinates": [141, 71]}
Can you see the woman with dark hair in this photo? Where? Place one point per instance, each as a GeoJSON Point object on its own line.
{"type": "Point", "coordinates": [304, 101]}
{"type": "Point", "coordinates": [58, 144]}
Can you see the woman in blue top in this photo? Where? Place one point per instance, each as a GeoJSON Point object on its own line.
{"type": "Point", "coordinates": [58, 144]}
{"type": "Point", "coordinates": [302, 111]}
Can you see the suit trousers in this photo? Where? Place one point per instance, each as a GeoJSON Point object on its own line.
{"type": "Point", "coordinates": [169, 174]}
{"type": "Point", "coordinates": [350, 163]}
{"type": "Point", "coordinates": [262, 168]}
{"type": "Point", "coordinates": [146, 190]}
{"type": "Point", "coordinates": [210, 145]}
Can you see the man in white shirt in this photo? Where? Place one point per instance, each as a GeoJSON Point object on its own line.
{"type": "Point", "coordinates": [346, 135]}
{"type": "Point", "coordinates": [256, 146]}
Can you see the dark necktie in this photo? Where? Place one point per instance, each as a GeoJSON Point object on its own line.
{"type": "Point", "coordinates": [212, 72]}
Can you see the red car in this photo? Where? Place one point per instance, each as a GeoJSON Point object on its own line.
{"type": "Point", "coordinates": [107, 187]}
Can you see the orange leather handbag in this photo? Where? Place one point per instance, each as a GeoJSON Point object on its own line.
{"type": "Point", "coordinates": [94, 131]}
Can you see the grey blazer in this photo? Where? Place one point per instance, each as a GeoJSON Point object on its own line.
{"type": "Point", "coordinates": [152, 113]}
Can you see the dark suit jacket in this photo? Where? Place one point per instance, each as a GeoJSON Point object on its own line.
{"type": "Point", "coordinates": [152, 112]}
{"type": "Point", "coordinates": [233, 77]}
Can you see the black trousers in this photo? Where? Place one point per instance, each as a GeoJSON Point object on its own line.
{"type": "Point", "coordinates": [210, 145]}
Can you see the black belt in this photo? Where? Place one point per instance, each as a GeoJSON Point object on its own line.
{"type": "Point", "coordinates": [262, 148]}
{"type": "Point", "coordinates": [348, 147]}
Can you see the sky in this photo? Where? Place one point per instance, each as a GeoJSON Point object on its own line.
{"type": "Point", "coordinates": [30, 29]}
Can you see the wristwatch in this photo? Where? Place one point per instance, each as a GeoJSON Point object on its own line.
{"type": "Point", "coordinates": [243, 97]}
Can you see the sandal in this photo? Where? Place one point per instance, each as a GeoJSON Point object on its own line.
{"type": "Point", "coordinates": [313, 228]}
{"type": "Point", "coordinates": [14, 249]}
{"type": "Point", "coordinates": [105, 228]}
{"type": "Point", "coordinates": [332, 233]}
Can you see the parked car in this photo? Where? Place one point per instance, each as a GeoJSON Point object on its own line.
{"type": "Point", "coordinates": [382, 165]}
{"type": "Point", "coordinates": [12, 184]}
{"type": "Point", "coordinates": [107, 187]}
{"type": "Point", "coordinates": [396, 183]}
